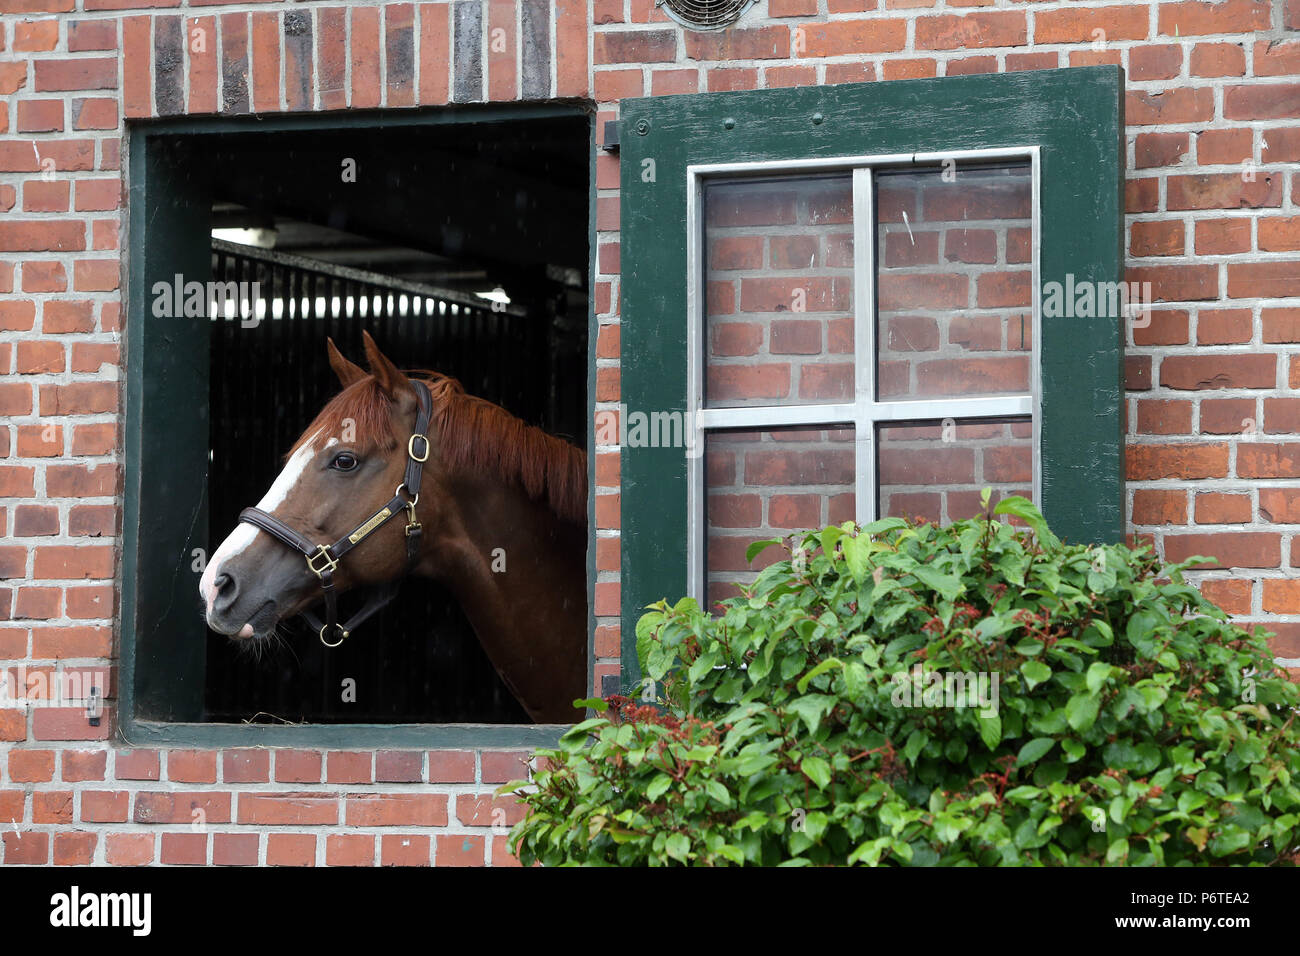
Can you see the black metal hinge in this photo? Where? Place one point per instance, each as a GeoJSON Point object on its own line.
{"type": "Point", "coordinates": [611, 136]}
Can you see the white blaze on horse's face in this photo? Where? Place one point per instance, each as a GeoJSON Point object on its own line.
{"type": "Point", "coordinates": [244, 534]}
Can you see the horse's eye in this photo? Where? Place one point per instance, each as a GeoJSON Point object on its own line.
{"type": "Point", "coordinates": [344, 461]}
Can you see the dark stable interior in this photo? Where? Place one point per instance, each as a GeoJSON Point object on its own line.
{"type": "Point", "coordinates": [390, 216]}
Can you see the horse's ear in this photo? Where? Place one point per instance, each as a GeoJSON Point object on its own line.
{"type": "Point", "coordinates": [348, 372]}
{"type": "Point", "coordinates": [390, 378]}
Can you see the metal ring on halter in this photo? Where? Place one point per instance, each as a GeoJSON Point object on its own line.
{"type": "Point", "coordinates": [410, 447]}
{"type": "Point", "coordinates": [398, 493]}
{"type": "Point", "coordinates": [336, 643]}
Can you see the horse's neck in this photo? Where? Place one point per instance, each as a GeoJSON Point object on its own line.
{"type": "Point", "coordinates": [518, 572]}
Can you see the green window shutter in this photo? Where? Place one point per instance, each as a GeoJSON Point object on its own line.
{"type": "Point", "coordinates": [1075, 120]}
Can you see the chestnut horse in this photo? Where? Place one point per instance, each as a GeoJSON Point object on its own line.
{"type": "Point", "coordinates": [502, 506]}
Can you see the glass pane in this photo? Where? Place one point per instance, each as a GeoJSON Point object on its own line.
{"type": "Point", "coordinates": [766, 484]}
{"type": "Point", "coordinates": [779, 291]}
{"type": "Point", "coordinates": [936, 470]}
{"type": "Point", "coordinates": [954, 282]}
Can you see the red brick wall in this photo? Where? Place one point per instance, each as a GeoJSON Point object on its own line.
{"type": "Point", "coordinates": [1213, 420]}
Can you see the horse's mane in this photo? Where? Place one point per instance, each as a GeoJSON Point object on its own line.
{"type": "Point", "coordinates": [474, 436]}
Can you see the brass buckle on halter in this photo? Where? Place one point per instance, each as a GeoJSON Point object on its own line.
{"type": "Point", "coordinates": [410, 447]}
{"type": "Point", "coordinates": [342, 638]}
{"type": "Point", "coordinates": [329, 565]}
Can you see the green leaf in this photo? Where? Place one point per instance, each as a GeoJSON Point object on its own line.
{"type": "Point", "coordinates": [811, 708]}
{"type": "Point", "coordinates": [1081, 710]}
{"type": "Point", "coordinates": [657, 786]}
{"type": "Point", "coordinates": [990, 729]}
{"type": "Point", "coordinates": [595, 703]}
{"type": "Point", "coordinates": [678, 846]}
{"type": "Point", "coordinates": [817, 770]}
{"type": "Point", "coordinates": [1036, 672]}
{"type": "Point", "coordinates": [1097, 675]}
{"type": "Point", "coordinates": [1026, 511]}
{"type": "Point", "coordinates": [1034, 750]}
{"type": "Point", "coordinates": [758, 547]}
{"type": "Point", "coordinates": [821, 668]}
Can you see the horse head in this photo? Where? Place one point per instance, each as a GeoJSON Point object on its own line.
{"type": "Point", "coordinates": [343, 473]}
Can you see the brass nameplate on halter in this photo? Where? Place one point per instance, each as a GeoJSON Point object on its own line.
{"type": "Point", "coordinates": [370, 526]}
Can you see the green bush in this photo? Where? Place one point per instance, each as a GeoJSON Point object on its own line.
{"type": "Point", "coordinates": [1105, 713]}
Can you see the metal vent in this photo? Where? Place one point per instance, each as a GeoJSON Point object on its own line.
{"type": "Point", "coordinates": [705, 14]}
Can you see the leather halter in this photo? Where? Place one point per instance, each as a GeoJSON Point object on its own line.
{"type": "Point", "coordinates": [323, 559]}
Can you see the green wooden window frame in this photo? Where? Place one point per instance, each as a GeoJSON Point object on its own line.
{"type": "Point", "coordinates": [166, 441]}
{"type": "Point", "coordinates": [1072, 121]}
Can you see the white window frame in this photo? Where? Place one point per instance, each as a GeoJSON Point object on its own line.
{"type": "Point", "coordinates": [864, 412]}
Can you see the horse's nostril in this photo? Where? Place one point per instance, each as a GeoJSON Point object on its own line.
{"type": "Point", "coordinates": [225, 589]}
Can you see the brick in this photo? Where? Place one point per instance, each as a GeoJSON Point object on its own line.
{"type": "Point", "coordinates": [1178, 283]}
{"type": "Point", "coordinates": [734, 44]}
{"type": "Point", "coordinates": [1219, 508]}
{"type": "Point", "coordinates": [395, 809]}
{"type": "Point", "coordinates": [1279, 233]}
{"type": "Point", "coordinates": [1218, 237]}
{"type": "Point", "coordinates": [298, 766]}
{"type": "Point", "coordinates": [459, 850]}
{"type": "Point", "coordinates": [42, 235]}
{"type": "Point", "coordinates": [1152, 150]}
{"type": "Point", "coordinates": [1223, 191]}
{"type": "Point", "coordinates": [74, 848]}
{"type": "Point", "coordinates": [1204, 17]}
{"type": "Point", "coordinates": [86, 35]}
{"type": "Point", "coordinates": [288, 809]}
{"type": "Point", "coordinates": [1280, 505]}
{"type": "Point", "coordinates": [246, 766]}
{"type": "Point", "coordinates": [398, 766]}
{"type": "Point", "coordinates": [1155, 62]}
{"type": "Point", "coordinates": [1265, 460]}
{"type": "Point", "coordinates": [94, 521]}
{"type": "Point", "coordinates": [347, 767]}
{"type": "Point", "coordinates": [349, 849]}
{"type": "Point", "coordinates": [129, 849]}
{"type": "Point", "coordinates": [40, 116]}
{"type": "Point", "coordinates": [1186, 461]}
{"type": "Point", "coordinates": [1078, 24]}
{"type": "Point", "coordinates": [26, 847]}
{"type": "Point", "coordinates": [1230, 594]}
{"type": "Point", "coordinates": [1160, 238]}
{"type": "Point", "coordinates": [399, 54]}
{"type": "Point", "coordinates": [31, 766]}
{"type": "Point", "coordinates": [1249, 280]}
{"type": "Point", "coordinates": [1282, 415]}
{"type": "Point", "coordinates": [1231, 416]}
{"type": "Point", "coordinates": [104, 806]}
{"type": "Point", "coordinates": [75, 73]}
{"type": "Point", "coordinates": [331, 52]}
{"type": "Point", "coordinates": [1233, 549]}
{"type": "Point", "coordinates": [451, 766]}
{"type": "Point", "coordinates": [291, 849]}
{"type": "Point", "coordinates": [1219, 371]}
{"type": "Point", "coordinates": [34, 358]}
{"type": "Point", "coordinates": [235, 849]}
{"type": "Point", "coordinates": [81, 765]}
{"type": "Point", "coordinates": [1262, 101]}
{"type": "Point", "coordinates": [1168, 107]}
{"type": "Point", "coordinates": [1160, 417]}
{"type": "Point", "coordinates": [1218, 59]}
{"type": "Point", "coordinates": [1276, 57]}
{"type": "Point", "coordinates": [1159, 507]}
{"type": "Point", "coordinates": [974, 30]}
{"type": "Point", "coordinates": [404, 850]}
{"type": "Point", "coordinates": [570, 54]}
{"type": "Point", "coordinates": [843, 37]}
{"type": "Point", "coordinates": [504, 766]}
{"type": "Point", "coordinates": [184, 849]}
